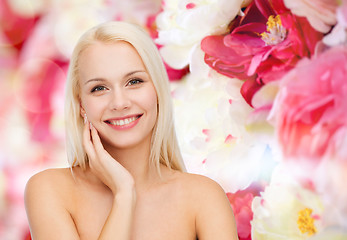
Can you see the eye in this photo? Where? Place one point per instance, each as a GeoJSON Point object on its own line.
{"type": "Point", "coordinates": [135, 81]}
{"type": "Point", "coordinates": [98, 88]}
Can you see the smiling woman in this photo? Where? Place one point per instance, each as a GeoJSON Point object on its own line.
{"type": "Point", "coordinates": [117, 96]}
{"type": "Point", "coordinates": [126, 178]}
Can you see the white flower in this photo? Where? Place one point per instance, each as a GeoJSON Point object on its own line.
{"type": "Point", "coordinates": [211, 124]}
{"type": "Point", "coordinates": [319, 13]}
{"type": "Point", "coordinates": [183, 24]}
{"type": "Point", "coordinates": [330, 178]}
{"type": "Point", "coordinates": [64, 21]}
{"type": "Point", "coordinates": [70, 21]}
{"type": "Point", "coordinates": [303, 202]}
{"type": "Point", "coordinates": [331, 234]}
{"type": "Point", "coordinates": [28, 8]}
{"type": "Point", "coordinates": [286, 210]}
{"type": "Point", "coordinates": [339, 33]}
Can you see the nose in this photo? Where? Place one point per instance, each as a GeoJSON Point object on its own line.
{"type": "Point", "coordinates": [119, 100]}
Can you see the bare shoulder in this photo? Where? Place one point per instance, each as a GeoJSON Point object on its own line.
{"type": "Point", "coordinates": [199, 185]}
{"type": "Point", "coordinates": [49, 181]}
{"type": "Point", "coordinates": [46, 196]}
{"type": "Point", "coordinates": [51, 174]}
{"type": "Point", "coordinates": [199, 192]}
{"type": "Point", "coordinates": [201, 182]}
{"type": "Point", "coordinates": [51, 186]}
{"type": "Point", "coordinates": [212, 209]}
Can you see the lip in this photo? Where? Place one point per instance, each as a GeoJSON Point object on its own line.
{"type": "Point", "coordinates": [125, 126]}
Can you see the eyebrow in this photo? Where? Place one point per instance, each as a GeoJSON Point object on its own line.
{"type": "Point", "coordinates": [125, 76]}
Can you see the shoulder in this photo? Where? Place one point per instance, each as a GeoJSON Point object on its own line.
{"type": "Point", "coordinates": [199, 191]}
{"type": "Point", "coordinates": [50, 174]}
{"type": "Point", "coordinates": [200, 181]}
{"type": "Point", "coordinates": [199, 185]}
{"type": "Point", "coordinates": [49, 178]}
{"type": "Point", "coordinates": [211, 207]}
{"type": "Point", "coordinates": [48, 184]}
{"type": "Point", "coordinates": [48, 201]}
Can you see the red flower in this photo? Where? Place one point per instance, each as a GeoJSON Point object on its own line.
{"type": "Point", "coordinates": [310, 108]}
{"type": "Point", "coordinates": [40, 80]}
{"type": "Point", "coordinates": [241, 203]}
{"type": "Point", "coordinates": [16, 28]}
{"type": "Point", "coordinates": [262, 45]}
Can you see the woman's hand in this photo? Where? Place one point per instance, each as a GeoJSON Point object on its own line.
{"type": "Point", "coordinates": [118, 224]}
{"type": "Point", "coordinates": [103, 165]}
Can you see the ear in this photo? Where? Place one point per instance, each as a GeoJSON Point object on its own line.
{"type": "Point", "coordinates": [82, 111]}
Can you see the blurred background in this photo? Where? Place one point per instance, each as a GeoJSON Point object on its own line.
{"type": "Point", "coordinates": [36, 40]}
{"type": "Point", "coordinates": [259, 89]}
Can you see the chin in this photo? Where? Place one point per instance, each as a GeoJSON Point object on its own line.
{"type": "Point", "coordinates": [128, 142]}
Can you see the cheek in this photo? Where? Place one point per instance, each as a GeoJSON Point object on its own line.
{"type": "Point", "coordinates": [152, 102]}
{"type": "Point", "coordinates": [147, 100]}
{"type": "Point", "coordinates": [92, 107]}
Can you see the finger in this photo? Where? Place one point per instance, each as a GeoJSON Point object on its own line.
{"type": "Point", "coordinates": [102, 156]}
{"type": "Point", "coordinates": [87, 143]}
{"type": "Point", "coordinates": [99, 148]}
{"type": "Point", "coordinates": [96, 139]}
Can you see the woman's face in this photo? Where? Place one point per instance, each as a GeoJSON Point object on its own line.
{"type": "Point", "coordinates": [117, 94]}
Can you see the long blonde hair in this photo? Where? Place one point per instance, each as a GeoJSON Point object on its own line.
{"type": "Point", "coordinates": [164, 145]}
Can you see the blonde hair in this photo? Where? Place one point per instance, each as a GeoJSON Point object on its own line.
{"type": "Point", "coordinates": [164, 146]}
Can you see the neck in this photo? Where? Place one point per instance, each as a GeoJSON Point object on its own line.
{"type": "Point", "coordinates": [136, 161]}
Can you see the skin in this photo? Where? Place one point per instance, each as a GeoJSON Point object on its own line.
{"type": "Point", "coordinates": [120, 196]}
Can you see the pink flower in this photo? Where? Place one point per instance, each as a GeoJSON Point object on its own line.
{"type": "Point", "coordinates": [262, 45]}
{"type": "Point", "coordinates": [310, 108]}
{"type": "Point", "coordinates": [40, 80]}
{"type": "Point", "coordinates": [241, 202]}
{"type": "Point", "coordinates": [15, 28]}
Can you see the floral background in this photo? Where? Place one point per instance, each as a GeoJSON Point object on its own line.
{"type": "Point", "coordinates": [260, 95]}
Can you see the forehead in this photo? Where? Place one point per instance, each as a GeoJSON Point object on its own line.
{"type": "Point", "coordinates": [109, 59]}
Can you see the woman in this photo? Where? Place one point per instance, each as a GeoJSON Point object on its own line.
{"type": "Point", "coordinates": [127, 179]}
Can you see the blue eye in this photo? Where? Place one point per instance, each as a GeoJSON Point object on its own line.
{"type": "Point", "coordinates": [98, 88]}
{"type": "Point", "coordinates": [135, 81]}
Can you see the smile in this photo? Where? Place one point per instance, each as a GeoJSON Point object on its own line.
{"type": "Point", "coordinates": [124, 122]}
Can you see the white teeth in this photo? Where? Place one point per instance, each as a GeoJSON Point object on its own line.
{"type": "Point", "coordinates": [123, 122]}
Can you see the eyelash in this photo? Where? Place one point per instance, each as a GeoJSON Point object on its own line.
{"type": "Point", "coordinates": [131, 82]}
{"type": "Point", "coordinates": [138, 81]}
{"type": "Point", "coordinates": [98, 88]}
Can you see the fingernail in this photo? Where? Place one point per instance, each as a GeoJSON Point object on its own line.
{"type": "Point", "coordinates": [90, 126]}
{"type": "Point", "coordinates": [85, 118]}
